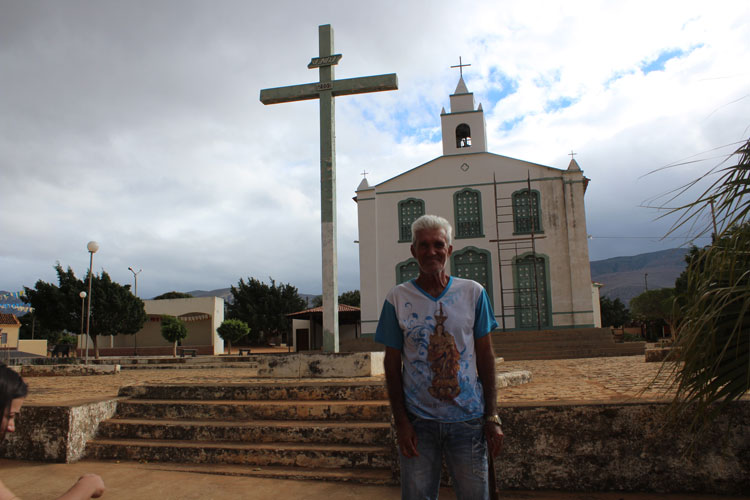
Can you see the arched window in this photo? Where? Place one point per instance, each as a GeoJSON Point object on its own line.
{"type": "Point", "coordinates": [463, 136]}
{"type": "Point", "coordinates": [474, 264]}
{"type": "Point", "coordinates": [526, 212]}
{"type": "Point", "coordinates": [406, 270]}
{"type": "Point", "coordinates": [532, 304]}
{"type": "Point", "coordinates": [467, 208]}
{"type": "Point", "coordinates": [408, 211]}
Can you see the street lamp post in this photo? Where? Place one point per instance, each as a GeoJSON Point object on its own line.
{"type": "Point", "coordinates": [92, 247]}
{"type": "Point", "coordinates": [83, 303]}
{"type": "Point", "coordinates": [135, 278]}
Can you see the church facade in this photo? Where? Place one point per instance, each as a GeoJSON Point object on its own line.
{"type": "Point", "coordinates": [519, 228]}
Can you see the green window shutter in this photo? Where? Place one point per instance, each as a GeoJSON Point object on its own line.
{"type": "Point", "coordinates": [526, 293]}
{"type": "Point", "coordinates": [474, 264]}
{"type": "Point", "coordinates": [526, 212]}
{"type": "Point", "coordinates": [406, 271]}
{"type": "Point", "coordinates": [467, 206]}
{"type": "Point", "coordinates": [408, 211]}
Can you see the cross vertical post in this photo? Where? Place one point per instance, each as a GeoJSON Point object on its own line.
{"type": "Point", "coordinates": [328, 196]}
{"type": "Point", "coordinates": [325, 90]}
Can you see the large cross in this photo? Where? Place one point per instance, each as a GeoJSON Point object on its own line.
{"type": "Point", "coordinates": [326, 89]}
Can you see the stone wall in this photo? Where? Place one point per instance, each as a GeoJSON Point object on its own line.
{"type": "Point", "coordinates": [622, 447]}
{"type": "Point", "coordinates": [55, 433]}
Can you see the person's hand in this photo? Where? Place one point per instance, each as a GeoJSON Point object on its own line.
{"type": "Point", "coordinates": [407, 439]}
{"type": "Point", "coordinates": [495, 436]}
{"type": "Point", "coordinates": [92, 483]}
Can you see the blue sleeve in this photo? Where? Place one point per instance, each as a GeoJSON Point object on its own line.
{"type": "Point", "coordinates": [389, 331]}
{"type": "Point", "coordinates": [484, 318]}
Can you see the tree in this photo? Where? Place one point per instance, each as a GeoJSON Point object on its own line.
{"type": "Point", "coordinates": [264, 307]}
{"type": "Point", "coordinates": [173, 330]}
{"type": "Point", "coordinates": [350, 298]}
{"type": "Point", "coordinates": [233, 330]}
{"type": "Point", "coordinates": [173, 295]}
{"type": "Point", "coordinates": [712, 355]}
{"type": "Point", "coordinates": [655, 307]}
{"type": "Point", "coordinates": [57, 308]}
{"type": "Point", "coordinates": [614, 312]}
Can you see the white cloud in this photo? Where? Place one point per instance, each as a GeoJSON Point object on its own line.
{"type": "Point", "coordinates": [138, 123]}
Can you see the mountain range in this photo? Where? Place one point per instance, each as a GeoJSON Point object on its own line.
{"type": "Point", "coordinates": [625, 277]}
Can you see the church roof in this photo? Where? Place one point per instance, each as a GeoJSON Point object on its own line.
{"type": "Point", "coordinates": [573, 165]}
{"type": "Point", "coordinates": [461, 87]}
{"type": "Point", "coordinates": [558, 171]}
{"type": "Point", "coordinates": [363, 185]}
{"type": "Point", "coordinates": [9, 319]}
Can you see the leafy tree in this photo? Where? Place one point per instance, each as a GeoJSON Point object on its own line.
{"type": "Point", "coordinates": [655, 307]}
{"type": "Point", "coordinates": [173, 330]}
{"type": "Point", "coordinates": [232, 330]}
{"type": "Point", "coordinates": [614, 312]}
{"type": "Point", "coordinates": [713, 333]}
{"type": "Point", "coordinates": [57, 308]}
{"type": "Point", "coordinates": [350, 298]}
{"type": "Point", "coordinates": [264, 307]}
{"type": "Point", "coordinates": [173, 295]}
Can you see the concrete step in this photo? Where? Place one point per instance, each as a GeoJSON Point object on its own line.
{"type": "Point", "coordinates": [257, 431]}
{"type": "Point", "coordinates": [570, 354]}
{"type": "Point", "coordinates": [317, 455]}
{"type": "Point", "coordinates": [371, 389]}
{"type": "Point", "coordinates": [254, 410]}
{"type": "Point", "coordinates": [362, 476]}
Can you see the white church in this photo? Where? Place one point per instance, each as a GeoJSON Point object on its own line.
{"type": "Point", "coordinates": [519, 228]}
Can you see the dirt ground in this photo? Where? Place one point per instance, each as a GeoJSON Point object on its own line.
{"type": "Point", "coordinates": [617, 379]}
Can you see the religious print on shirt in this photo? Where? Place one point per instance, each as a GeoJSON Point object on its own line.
{"type": "Point", "coordinates": [444, 361]}
{"type": "Point", "coordinates": [436, 339]}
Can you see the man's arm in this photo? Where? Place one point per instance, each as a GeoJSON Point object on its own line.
{"type": "Point", "coordinates": [487, 375]}
{"type": "Point", "coordinates": [407, 439]}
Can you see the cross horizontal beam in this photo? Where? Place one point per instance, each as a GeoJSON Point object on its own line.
{"type": "Point", "coordinates": [347, 86]}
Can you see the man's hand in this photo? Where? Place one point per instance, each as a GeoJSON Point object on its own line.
{"type": "Point", "coordinates": [407, 439]}
{"type": "Point", "coordinates": [495, 436]}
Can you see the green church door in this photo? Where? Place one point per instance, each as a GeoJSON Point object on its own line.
{"type": "Point", "coordinates": [532, 299]}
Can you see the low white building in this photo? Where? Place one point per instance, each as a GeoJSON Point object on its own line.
{"type": "Point", "coordinates": [519, 228]}
{"type": "Point", "coordinates": [201, 315]}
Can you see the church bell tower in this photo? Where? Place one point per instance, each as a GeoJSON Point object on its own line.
{"type": "Point", "coordinates": [463, 128]}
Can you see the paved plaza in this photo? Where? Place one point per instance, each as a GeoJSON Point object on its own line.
{"type": "Point", "coordinates": [618, 379]}
{"type": "Point", "coordinates": [621, 379]}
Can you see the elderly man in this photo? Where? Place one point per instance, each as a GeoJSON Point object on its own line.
{"type": "Point", "coordinates": [444, 399]}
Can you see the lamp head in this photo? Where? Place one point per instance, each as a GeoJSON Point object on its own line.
{"type": "Point", "coordinates": [93, 246]}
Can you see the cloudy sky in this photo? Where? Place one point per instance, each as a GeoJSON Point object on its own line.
{"type": "Point", "coordinates": [137, 123]}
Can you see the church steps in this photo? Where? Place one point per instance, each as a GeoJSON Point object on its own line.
{"type": "Point", "coordinates": [254, 410]}
{"type": "Point", "coordinates": [561, 344]}
{"type": "Point", "coordinates": [256, 431]}
{"type": "Point", "coordinates": [257, 454]}
{"type": "Point", "coordinates": [259, 391]}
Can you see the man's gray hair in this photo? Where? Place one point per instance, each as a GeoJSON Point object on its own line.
{"type": "Point", "coordinates": [432, 222]}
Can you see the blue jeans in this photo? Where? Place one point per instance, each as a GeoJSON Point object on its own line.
{"type": "Point", "coordinates": [465, 450]}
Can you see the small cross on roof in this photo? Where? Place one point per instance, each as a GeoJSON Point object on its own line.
{"type": "Point", "coordinates": [460, 66]}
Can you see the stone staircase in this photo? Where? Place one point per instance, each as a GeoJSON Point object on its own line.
{"type": "Point", "coordinates": [562, 344]}
{"type": "Point", "coordinates": [300, 429]}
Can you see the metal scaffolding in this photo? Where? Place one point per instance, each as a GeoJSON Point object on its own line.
{"type": "Point", "coordinates": [508, 249]}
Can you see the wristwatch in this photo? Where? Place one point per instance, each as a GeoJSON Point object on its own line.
{"type": "Point", "coordinates": [495, 419]}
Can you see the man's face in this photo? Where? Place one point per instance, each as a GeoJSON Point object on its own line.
{"type": "Point", "coordinates": [8, 423]}
{"type": "Point", "coordinates": [431, 250]}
